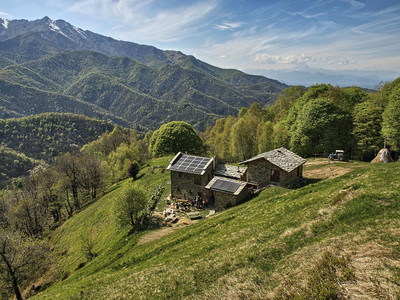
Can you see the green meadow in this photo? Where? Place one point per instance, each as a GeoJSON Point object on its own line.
{"type": "Point", "coordinates": [335, 236]}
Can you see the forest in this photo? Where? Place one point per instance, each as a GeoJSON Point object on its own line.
{"type": "Point", "coordinates": [313, 121]}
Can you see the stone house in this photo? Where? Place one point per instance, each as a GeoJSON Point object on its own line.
{"type": "Point", "coordinates": [280, 167]}
{"type": "Point", "coordinates": [189, 175]}
{"type": "Point", "coordinates": [227, 185]}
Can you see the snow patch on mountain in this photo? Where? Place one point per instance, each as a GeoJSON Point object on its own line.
{"type": "Point", "coordinates": [81, 32]}
{"type": "Point", "coordinates": [5, 23]}
{"type": "Point", "coordinates": [53, 26]}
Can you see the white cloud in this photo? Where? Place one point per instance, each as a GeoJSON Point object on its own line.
{"type": "Point", "coordinates": [4, 13]}
{"type": "Point", "coordinates": [354, 4]}
{"type": "Point", "coordinates": [307, 16]}
{"type": "Point", "coordinates": [300, 59]}
{"type": "Point", "coordinates": [145, 20]}
{"type": "Point", "coordinates": [228, 26]}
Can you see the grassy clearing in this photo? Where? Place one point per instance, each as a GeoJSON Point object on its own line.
{"type": "Point", "coordinates": [344, 230]}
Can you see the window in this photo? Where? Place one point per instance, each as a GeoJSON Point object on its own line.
{"type": "Point", "coordinates": [179, 174]}
{"type": "Point", "coordinates": [197, 179]}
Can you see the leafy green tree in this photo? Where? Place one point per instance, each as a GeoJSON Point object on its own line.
{"type": "Point", "coordinates": [321, 126]}
{"type": "Point", "coordinates": [286, 100]}
{"type": "Point", "coordinates": [350, 97]}
{"type": "Point", "coordinates": [391, 117]}
{"type": "Point", "coordinates": [367, 130]}
{"type": "Point", "coordinates": [130, 206]}
{"type": "Point", "coordinates": [244, 141]}
{"type": "Point", "coordinates": [173, 137]}
{"type": "Point", "coordinates": [280, 136]}
{"type": "Point", "coordinates": [133, 169]}
{"type": "Point", "coordinates": [265, 134]}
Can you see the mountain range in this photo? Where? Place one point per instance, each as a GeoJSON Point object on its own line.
{"type": "Point", "coordinates": [53, 66]}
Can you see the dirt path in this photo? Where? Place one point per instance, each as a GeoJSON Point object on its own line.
{"type": "Point", "coordinates": [322, 168]}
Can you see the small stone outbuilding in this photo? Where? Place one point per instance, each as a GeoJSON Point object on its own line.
{"type": "Point", "coordinates": [226, 192]}
{"type": "Point", "coordinates": [279, 167]}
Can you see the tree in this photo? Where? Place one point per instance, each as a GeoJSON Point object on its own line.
{"type": "Point", "coordinates": [70, 168]}
{"type": "Point", "coordinates": [321, 126]}
{"type": "Point", "coordinates": [130, 206]}
{"type": "Point", "coordinates": [92, 175]}
{"type": "Point", "coordinates": [21, 261]}
{"type": "Point", "coordinates": [286, 100]}
{"type": "Point", "coordinates": [133, 169]}
{"type": "Point", "coordinates": [265, 133]}
{"type": "Point", "coordinates": [391, 117]}
{"type": "Point", "coordinates": [367, 130]}
{"type": "Point", "coordinates": [173, 137]}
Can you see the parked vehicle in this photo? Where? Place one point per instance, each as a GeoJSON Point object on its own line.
{"type": "Point", "coordinates": [338, 155]}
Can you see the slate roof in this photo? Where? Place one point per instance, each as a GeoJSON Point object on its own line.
{"type": "Point", "coordinates": [189, 164]}
{"type": "Point", "coordinates": [226, 185]}
{"type": "Point", "coordinates": [229, 171]}
{"type": "Point", "coordinates": [281, 157]}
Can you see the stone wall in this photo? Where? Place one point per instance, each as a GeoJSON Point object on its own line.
{"type": "Point", "coordinates": [292, 177]}
{"type": "Point", "coordinates": [223, 200]}
{"type": "Point", "coordinates": [183, 186]}
{"type": "Point", "coordinates": [259, 172]}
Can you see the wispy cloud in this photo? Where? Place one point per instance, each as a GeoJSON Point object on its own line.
{"type": "Point", "coordinates": [4, 13]}
{"type": "Point", "coordinates": [145, 20]}
{"type": "Point", "coordinates": [300, 59]}
{"type": "Point", "coordinates": [354, 4]}
{"type": "Point", "coordinates": [229, 25]}
{"type": "Point", "coordinates": [307, 15]}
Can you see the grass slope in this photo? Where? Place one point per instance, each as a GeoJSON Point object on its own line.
{"type": "Point", "coordinates": [268, 247]}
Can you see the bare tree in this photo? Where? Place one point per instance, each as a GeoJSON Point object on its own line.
{"type": "Point", "coordinates": [21, 261]}
{"type": "Point", "coordinates": [69, 167]}
{"type": "Point", "coordinates": [92, 176]}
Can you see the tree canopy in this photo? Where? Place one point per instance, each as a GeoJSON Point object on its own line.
{"type": "Point", "coordinates": [321, 126]}
{"type": "Point", "coordinates": [173, 137]}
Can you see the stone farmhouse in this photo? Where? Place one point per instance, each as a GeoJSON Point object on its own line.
{"type": "Point", "coordinates": [227, 185]}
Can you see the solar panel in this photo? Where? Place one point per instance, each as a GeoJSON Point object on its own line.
{"type": "Point", "coordinates": [225, 186]}
{"type": "Point", "coordinates": [190, 164]}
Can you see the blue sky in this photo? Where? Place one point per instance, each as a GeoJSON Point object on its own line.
{"type": "Point", "coordinates": [279, 35]}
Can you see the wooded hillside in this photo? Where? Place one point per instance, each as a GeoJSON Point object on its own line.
{"type": "Point", "coordinates": [316, 121]}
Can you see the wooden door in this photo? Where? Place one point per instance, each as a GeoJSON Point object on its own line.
{"type": "Point", "coordinates": [275, 174]}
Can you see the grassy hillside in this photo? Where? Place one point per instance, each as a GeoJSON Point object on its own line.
{"type": "Point", "coordinates": [337, 235]}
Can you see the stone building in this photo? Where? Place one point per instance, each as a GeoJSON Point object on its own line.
{"type": "Point", "coordinates": [225, 192]}
{"type": "Point", "coordinates": [189, 175]}
{"type": "Point", "coordinates": [229, 171]}
{"type": "Point", "coordinates": [280, 167]}
{"type": "Point", "coordinates": [227, 185]}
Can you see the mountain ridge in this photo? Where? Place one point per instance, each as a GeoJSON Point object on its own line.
{"type": "Point", "coordinates": [143, 85]}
